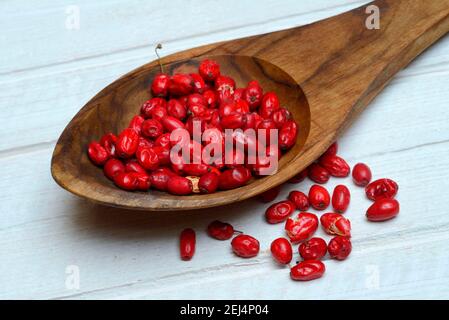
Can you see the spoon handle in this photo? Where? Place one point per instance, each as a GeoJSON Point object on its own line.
{"type": "Point", "coordinates": [341, 62]}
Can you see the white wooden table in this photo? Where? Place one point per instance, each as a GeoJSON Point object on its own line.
{"type": "Point", "coordinates": [53, 60]}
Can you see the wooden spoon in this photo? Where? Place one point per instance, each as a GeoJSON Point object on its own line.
{"type": "Point", "coordinates": [325, 73]}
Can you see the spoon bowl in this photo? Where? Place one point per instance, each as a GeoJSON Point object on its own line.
{"type": "Point", "coordinates": [339, 63]}
{"type": "Point", "coordinates": [112, 109]}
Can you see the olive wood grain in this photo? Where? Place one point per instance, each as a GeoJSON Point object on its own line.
{"type": "Point", "coordinates": [326, 73]}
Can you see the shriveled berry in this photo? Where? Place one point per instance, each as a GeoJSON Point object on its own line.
{"type": "Point", "coordinates": [339, 247]}
{"type": "Point", "coordinates": [279, 212]}
{"type": "Point", "coordinates": [281, 250]}
{"type": "Point", "coordinates": [149, 105]}
{"type": "Point", "coordinates": [126, 180]}
{"type": "Point", "coordinates": [280, 117]}
{"type": "Point", "coordinates": [313, 249]}
{"type": "Point", "coordinates": [147, 158]}
{"type": "Point", "coordinates": [159, 178]}
{"type": "Point", "coordinates": [336, 224]}
{"type": "Point", "coordinates": [361, 174]}
{"type": "Point", "coordinates": [381, 189]}
{"type": "Point", "coordinates": [299, 199]}
{"type": "Point", "coordinates": [383, 209]}
{"type": "Point", "coordinates": [220, 230]}
{"type": "Point", "coordinates": [97, 153]}
{"type": "Point", "coordinates": [336, 165]}
{"type": "Point", "coordinates": [307, 270]}
{"type": "Point", "coordinates": [108, 142]}
{"type": "Point", "coordinates": [127, 143]}
{"type": "Point", "coordinates": [132, 165]}
{"type": "Point", "coordinates": [302, 227]}
{"type": "Point", "coordinates": [245, 246]}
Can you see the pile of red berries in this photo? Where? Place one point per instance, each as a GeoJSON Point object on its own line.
{"type": "Point", "coordinates": [139, 157]}
{"type": "Point", "coordinates": [301, 228]}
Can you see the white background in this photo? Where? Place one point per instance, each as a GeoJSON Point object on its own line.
{"type": "Point", "coordinates": [49, 69]}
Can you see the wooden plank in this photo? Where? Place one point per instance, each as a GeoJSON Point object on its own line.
{"type": "Point", "coordinates": [85, 29]}
{"type": "Point", "coordinates": [44, 230]}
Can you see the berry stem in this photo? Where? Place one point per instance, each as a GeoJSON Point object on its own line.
{"type": "Point", "coordinates": [159, 46]}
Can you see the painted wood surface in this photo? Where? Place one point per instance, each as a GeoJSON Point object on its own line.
{"type": "Point", "coordinates": [48, 72]}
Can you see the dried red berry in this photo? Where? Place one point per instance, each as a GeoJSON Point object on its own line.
{"type": "Point", "coordinates": [187, 243]}
{"type": "Point", "coordinates": [307, 270]}
{"type": "Point", "coordinates": [97, 153]}
{"type": "Point", "coordinates": [269, 104]}
{"type": "Point", "coordinates": [341, 198]}
{"type": "Point", "coordinates": [336, 224]}
{"type": "Point", "coordinates": [383, 209]}
{"type": "Point", "coordinates": [132, 165]}
{"type": "Point", "coordinates": [126, 180]}
{"type": "Point", "coordinates": [147, 158]}
{"type": "Point", "coordinates": [152, 128]}
{"type": "Point", "coordinates": [220, 230]}
{"type": "Point", "coordinates": [159, 178]}
{"type": "Point", "coordinates": [179, 185]}
{"type": "Point", "coordinates": [318, 173]}
{"type": "Point", "coordinates": [336, 165]}
{"type": "Point", "coordinates": [176, 109]}
{"type": "Point", "coordinates": [339, 247]}
{"type": "Point", "coordinates": [171, 123]}
{"type": "Point", "coordinates": [280, 117]}
{"type": "Point", "coordinates": [180, 84]}
{"type": "Point", "coordinates": [319, 198]}
{"type": "Point", "coordinates": [127, 143]}
{"type": "Point", "coordinates": [160, 85]}
{"type": "Point", "coordinates": [234, 178]}
{"type": "Point", "coordinates": [210, 99]}
{"type": "Point", "coordinates": [300, 200]}
{"type": "Point", "coordinates": [381, 189]}
{"type": "Point", "coordinates": [108, 142]}
{"type": "Point", "coordinates": [149, 105]}
{"type": "Point", "coordinates": [279, 212]}
{"type": "Point", "coordinates": [288, 135]}
{"type": "Point", "coordinates": [253, 94]}
{"type": "Point", "coordinates": [313, 249]}
{"type": "Point", "coordinates": [361, 174]}
{"type": "Point", "coordinates": [281, 250]}
{"type": "Point", "coordinates": [245, 246]}
{"type": "Point", "coordinates": [209, 70]}
{"type": "Point", "coordinates": [198, 83]}
{"type": "Point", "coordinates": [302, 227]}
{"type": "Point", "coordinates": [112, 167]}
